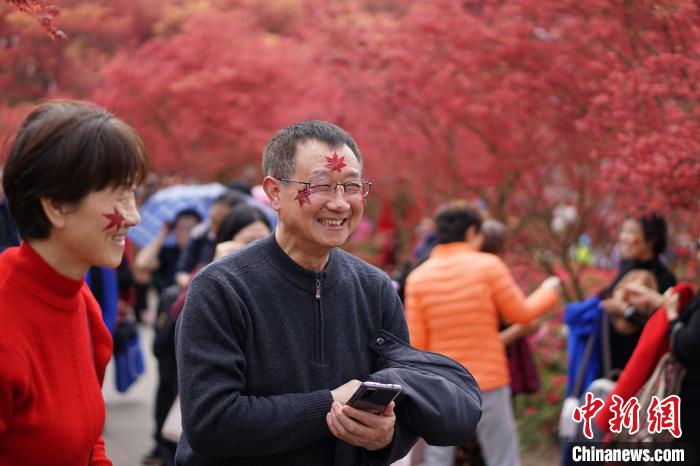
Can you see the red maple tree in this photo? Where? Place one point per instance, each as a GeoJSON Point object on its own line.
{"type": "Point", "coordinates": [527, 107]}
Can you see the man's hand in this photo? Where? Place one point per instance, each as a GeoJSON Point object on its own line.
{"type": "Point", "coordinates": [614, 306]}
{"type": "Point", "coordinates": [182, 279]}
{"type": "Point", "coordinates": [552, 282]}
{"type": "Point", "coordinates": [670, 304]}
{"type": "Point", "coordinates": [343, 393]}
{"type": "Point", "coordinates": [642, 297]}
{"type": "Point", "coordinates": [361, 428]}
{"type": "Point", "coordinates": [515, 331]}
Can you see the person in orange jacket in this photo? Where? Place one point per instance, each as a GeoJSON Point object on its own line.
{"type": "Point", "coordinates": [454, 301]}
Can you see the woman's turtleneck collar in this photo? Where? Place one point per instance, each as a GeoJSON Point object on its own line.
{"type": "Point", "coordinates": [628, 264]}
{"type": "Point", "coordinates": [291, 270]}
{"type": "Point", "coordinates": [47, 282]}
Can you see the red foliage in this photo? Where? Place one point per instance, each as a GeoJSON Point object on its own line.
{"type": "Point", "coordinates": [204, 110]}
{"type": "Point", "coordinates": [45, 14]}
{"type": "Point", "coordinates": [523, 105]}
{"type": "Point", "coordinates": [531, 105]}
{"type": "Point", "coordinates": [34, 68]}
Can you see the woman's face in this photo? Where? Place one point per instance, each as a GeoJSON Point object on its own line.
{"type": "Point", "coordinates": [252, 232]}
{"type": "Point", "coordinates": [94, 231]}
{"type": "Point", "coordinates": [183, 228]}
{"type": "Point", "coordinates": [633, 245]}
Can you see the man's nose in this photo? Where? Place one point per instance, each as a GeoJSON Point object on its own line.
{"type": "Point", "coordinates": [337, 201]}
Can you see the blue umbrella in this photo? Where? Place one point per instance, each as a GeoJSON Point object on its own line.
{"type": "Point", "coordinates": [165, 204]}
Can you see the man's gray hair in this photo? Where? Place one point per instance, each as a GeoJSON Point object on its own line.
{"type": "Point", "coordinates": [278, 156]}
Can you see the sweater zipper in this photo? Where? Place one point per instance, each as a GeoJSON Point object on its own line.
{"type": "Point", "coordinates": [319, 321]}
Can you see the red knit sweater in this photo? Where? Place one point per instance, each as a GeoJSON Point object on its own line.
{"type": "Point", "coordinates": [51, 370]}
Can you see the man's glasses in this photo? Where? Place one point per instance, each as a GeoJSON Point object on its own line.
{"type": "Point", "coordinates": [350, 188]}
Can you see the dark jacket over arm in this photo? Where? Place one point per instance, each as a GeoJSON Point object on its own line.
{"type": "Point", "coordinates": [440, 400]}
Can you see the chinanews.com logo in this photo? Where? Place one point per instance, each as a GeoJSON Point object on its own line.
{"type": "Point", "coordinates": [661, 415]}
{"type": "Point", "coordinates": [632, 454]}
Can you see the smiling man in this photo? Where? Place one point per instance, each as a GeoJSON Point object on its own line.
{"type": "Point", "coordinates": [274, 339]}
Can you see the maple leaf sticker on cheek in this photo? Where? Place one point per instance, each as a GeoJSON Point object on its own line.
{"type": "Point", "coordinates": [303, 196]}
{"type": "Point", "coordinates": [335, 163]}
{"type": "Point", "coordinates": [115, 220]}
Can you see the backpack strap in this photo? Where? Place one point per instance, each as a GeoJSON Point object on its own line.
{"type": "Point", "coordinates": [583, 365]}
{"type": "Point", "coordinates": [608, 371]}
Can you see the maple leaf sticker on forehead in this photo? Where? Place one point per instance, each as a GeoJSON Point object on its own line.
{"type": "Point", "coordinates": [303, 196]}
{"type": "Point", "coordinates": [335, 162]}
{"type": "Point", "coordinates": [115, 220]}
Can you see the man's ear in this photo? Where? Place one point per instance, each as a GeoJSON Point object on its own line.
{"type": "Point", "coordinates": [474, 237]}
{"type": "Point", "coordinates": [271, 187]}
{"type": "Point", "coordinates": [55, 212]}
{"type": "Point", "coordinates": [469, 234]}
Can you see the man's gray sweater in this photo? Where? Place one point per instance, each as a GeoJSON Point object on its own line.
{"type": "Point", "coordinates": [260, 344]}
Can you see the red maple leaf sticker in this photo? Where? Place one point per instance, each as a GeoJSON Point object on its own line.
{"type": "Point", "coordinates": [115, 220]}
{"type": "Point", "coordinates": [335, 162]}
{"type": "Point", "coordinates": [303, 196]}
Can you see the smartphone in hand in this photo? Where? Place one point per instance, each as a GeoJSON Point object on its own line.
{"type": "Point", "coordinates": [374, 397]}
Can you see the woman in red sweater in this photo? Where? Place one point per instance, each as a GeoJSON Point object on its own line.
{"type": "Point", "coordinates": [69, 180]}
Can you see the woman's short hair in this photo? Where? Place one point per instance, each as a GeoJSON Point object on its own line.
{"type": "Point", "coordinates": [189, 212]}
{"type": "Point", "coordinates": [452, 220]}
{"type": "Point", "coordinates": [653, 227]}
{"type": "Point", "coordinates": [240, 217]}
{"type": "Point", "coordinates": [63, 151]}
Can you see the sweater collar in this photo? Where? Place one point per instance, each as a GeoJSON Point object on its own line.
{"type": "Point", "coordinates": [44, 279]}
{"type": "Point", "coordinates": [448, 249]}
{"type": "Point", "coordinates": [296, 274]}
